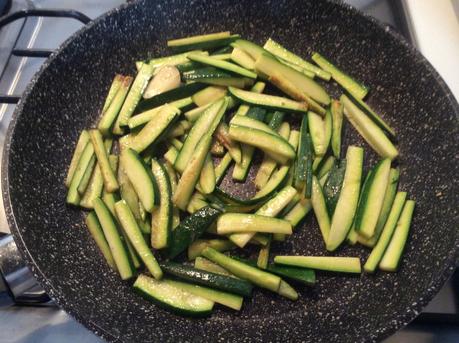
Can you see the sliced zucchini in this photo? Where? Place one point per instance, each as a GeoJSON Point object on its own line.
{"type": "Point", "coordinates": [161, 217]}
{"type": "Point", "coordinates": [221, 168]}
{"type": "Point", "coordinates": [301, 153]}
{"type": "Point", "coordinates": [241, 222]}
{"type": "Point", "coordinates": [268, 65]}
{"type": "Point", "coordinates": [274, 145]}
{"type": "Point", "coordinates": [233, 147]}
{"type": "Point", "coordinates": [287, 291]}
{"type": "Point", "coordinates": [145, 117]}
{"type": "Point", "coordinates": [217, 149]}
{"type": "Point", "coordinates": [73, 196]}
{"type": "Point", "coordinates": [209, 95]}
{"type": "Point", "coordinates": [302, 275]}
{"type": "Point", "coordinates": [347, 82]}
{"type": "Point", "coordinates": [387, 232]}
{"type": "Point", "coordinates": [155, 129]}
{"type": "Point", "coordinates": [280, 175]}
{"type": "Point", "coordinates": [348, 199]}
{"type": "Point", "coordinates": [263, 254]}
{"type": "Point", "coordinates": [94, 189]}
{"type": "Point", "coordinates": [115, 85]}
{"type": "Point", "coordinates": [241, 170]}
{"type": "Point", "coordinates": [167, 295]}
{"type": "Point", "coordinates": [387, 204]}
{"type": "Point", "coordinates": [198, 131]}
{"type": "Point", "coordinates": [173, 60]}
{"type": "Point", "coordinates": [204, 264]}
{"type": "Point", "coordinates": [268, 165]}
{"type": "Point", "coordinates": [79, 148]}
{"type": "Point", "coordinates": [371, 199]}
{"type": "Point", "coordinates": [333, 264]}
{"type": "Point", "coordinates": [244, 271]}
{"type": "Point", "coordinates": [336, 109]}
{"type": "Point", "coordinates": [208, 279]}
{"type": "Point", "coordinates": [165, 79]}
{"type": "Point", "coordinates": [320, 208]}
{"type": "Point", "coordinates": [242, 58]}
{"type": "Point", "coordinates": [371, 132]}
{"type": "Point", "coordinates": [393, 253]}
{"type": "Point", "coordinates": [209, 60]}
{"type": "Point", "coordinates": [110, 114]}
{"type": "Point", "coordinates": [333, 185]}
{"type": "Point", "coordinates": [169, 96]}
{"type": "Point", "coordinates": [204, 42]}
{"type": "Point", "coordinates": [207, 176]}
{"type": "Point", "coordinates": [268, 101]}
{"type": "Point", "coordinates": [197, 202]}
{"type": "Point", "coordinates": [271, 209]}
{"type": "Point", "coordinates": [194, 250]}
{"type": "Point", "coordinates": [97, 234]}
{"type": "Point", "coordinates": [132, 98]}
{"type": "Point", "coordinates": [325, 166]}
{"type": "Point", "coordinates": [281, 52]}
{"type": "Point", "coordinates": [140, 178]}
{"type": "Point", "coordinates": [229, 300]}
{"type": "Point", "coordinates": [110, 182]}
{"type": "Point", "coordinates": [132, 230]}
{"type": "Point", "coordinates": [375, 117]}
{"type": "Point", "coordinates": [291, 90]}
{"type": "Point", "coordinates": [113, 238]}
{"type": "Point", "coordinates": [317, 131]}
{"type": "Point", "coordinates": [191, 229]}
{"type": "Point", "coordinates": [308, 73]}
{"type": "Point", "coordinates": [195, 113]}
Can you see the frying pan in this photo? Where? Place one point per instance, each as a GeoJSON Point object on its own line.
{"type": "Point", "coordinates": [67, 93]}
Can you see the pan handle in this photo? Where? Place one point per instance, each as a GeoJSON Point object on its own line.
{"type": "Point", "coordinates": [17, 284]}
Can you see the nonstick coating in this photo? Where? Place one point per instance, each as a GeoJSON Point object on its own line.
{"type": "Point", "coordinates": [68, 92]}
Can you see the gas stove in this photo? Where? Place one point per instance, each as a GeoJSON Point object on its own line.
{"type": "Point", "coordinates": [26, 42]}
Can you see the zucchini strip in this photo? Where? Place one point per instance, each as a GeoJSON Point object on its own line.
{"type": "Point", "coordinates": [144, 117]}
{"type": "Point", "coordinates": [110, 182]}
{"type": "Point", "coordinates": [268, 101]}
{"type": "Point", "coordinates": [97, 234]}
{"type": "Point", "coordinates": [357, 89]}
{"type": "Point", "coordinates": [110, 114]}
{"type": "Point", "coordinates": [274, 145]}
{"type": "Point", "coordinates": [117, 247]}
{"type": "Point", "coordinates": [132, 230]}
{"type": "Point", "coordinates": [79, 148]}
{"type": "Point", "coordinates": [387, 232]}
{"type": "Point", "coordinates": [161, 217]}
{"type": "Point", "coordinates": [393, 253]}
{"type": "Point", "coordinates": [271, 209]}
{"type": "Point", "coordinates": [278, 50]}
{"type": "Point", "coordinates": [209, 60]}
{"type": "Point", "coordinates": [370, 131]}
{"type": "Point", "coordinates": [348, 198]}
{"type": "Point", "coordinates": [332, 264]}
{"type": "Point", "coordinates": [239, 222]}
{"type": "Point", "coordinates": [133, 98]}
{"type": "Point", "coordinates": [153, 131]}
{"type": "Point", "coordinates": [244, 271]}
{"type": "Point", "coordinates": [221, 168]}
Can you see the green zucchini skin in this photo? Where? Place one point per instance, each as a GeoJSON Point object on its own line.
{"type": "Point", "coordinates": [332, 187]}
{"type": "Point", "coordinates": [161, 217]}
{"type": "Point", "coordinates": [164, 294]}
{"type": "Point", "coordinates": [190, 229]}
{"type": "Point", "coordinates": [303, 275]}
{"type": "Point", "coordinates": [172, 95]}
{"type": "Point", "coordinates": [208, 279]}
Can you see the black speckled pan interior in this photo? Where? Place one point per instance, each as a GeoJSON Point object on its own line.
{"type": "Point", "coordinates": [68, 92]}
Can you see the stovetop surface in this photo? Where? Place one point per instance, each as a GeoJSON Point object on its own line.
{"type": "Point", "coordinates": [438, 323]}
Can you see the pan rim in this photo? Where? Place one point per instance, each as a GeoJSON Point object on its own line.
{"type": "Point", "coordinates": [401, 320]}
